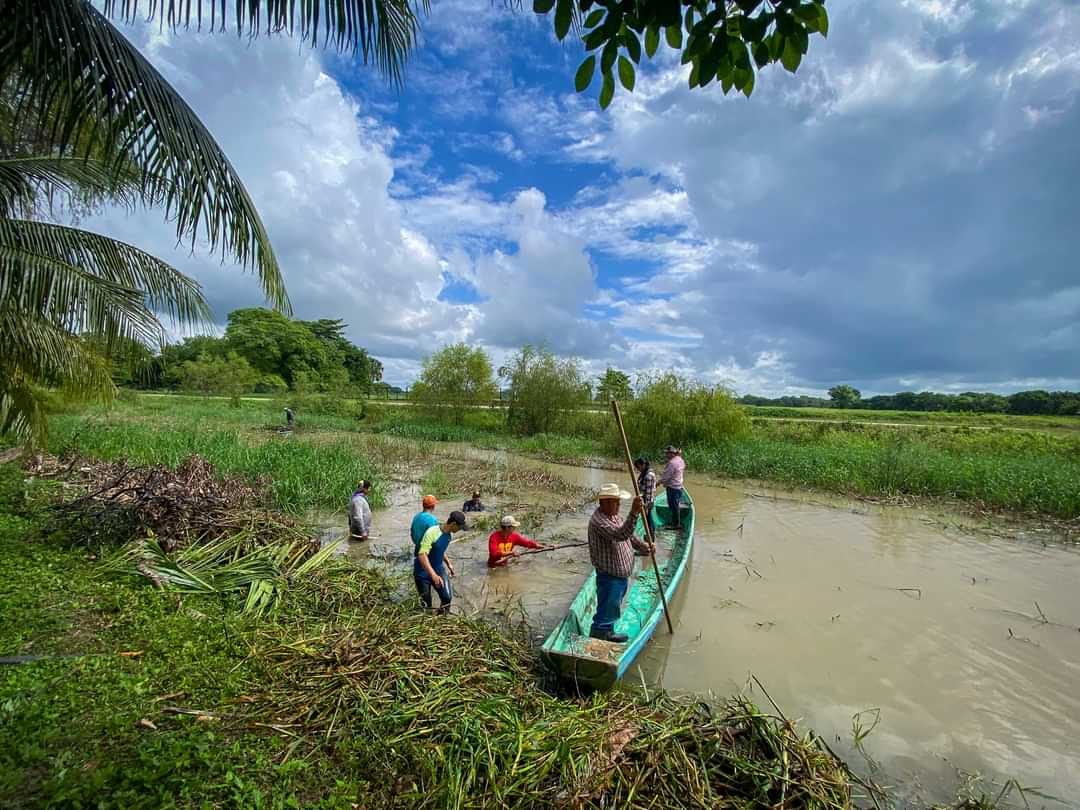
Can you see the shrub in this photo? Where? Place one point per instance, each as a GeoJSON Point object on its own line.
{"type": "Point", "coordinates": [670, 410]}
{"type": "Point", "coordinates": [542, 389]}
{"type": "Point", "coordinates": [453, 380]}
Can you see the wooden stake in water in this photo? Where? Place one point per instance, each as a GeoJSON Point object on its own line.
{"type": "Point", "coordinates": [644, 518]}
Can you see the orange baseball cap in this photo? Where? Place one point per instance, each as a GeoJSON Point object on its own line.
{"type": "Point", "coordinates": [429, 501]}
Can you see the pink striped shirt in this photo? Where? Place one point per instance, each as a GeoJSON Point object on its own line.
{"type": "Point", "coordinates": [673, 473]}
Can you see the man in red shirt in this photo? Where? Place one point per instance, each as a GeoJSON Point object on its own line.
{"type": "Point", "coordinates": [501, 543]}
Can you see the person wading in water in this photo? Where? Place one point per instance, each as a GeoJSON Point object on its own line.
{"type": "Point", "coordinates": [501, 543]}
{"type": "Point", "coordinates": [360, 513]}
{"type": "Point", "coordinates": [431, 567]}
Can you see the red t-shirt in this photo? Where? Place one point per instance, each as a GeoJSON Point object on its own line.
{"type": "Point", "coordinates": [499, 547]}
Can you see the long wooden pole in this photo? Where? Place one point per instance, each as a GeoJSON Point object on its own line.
{"type": "Point", "coordinates": [644, 517]}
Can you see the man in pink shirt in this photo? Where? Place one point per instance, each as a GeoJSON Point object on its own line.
{"type": "Point", "coordinates": [671, 479]}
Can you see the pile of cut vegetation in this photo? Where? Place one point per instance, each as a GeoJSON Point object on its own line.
{"type": "Point", "coordinates": [447, 712]}
{"type": "Point", "coordinates": [186, 529]}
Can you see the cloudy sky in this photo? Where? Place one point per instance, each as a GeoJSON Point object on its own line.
{"type": "Point", "coordinates": [895, 216]}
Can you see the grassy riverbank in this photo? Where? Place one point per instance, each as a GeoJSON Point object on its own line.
{"type": "Point", "coordinates": [1030, 472]}
{"type": "Point", "coordinates": [345, 697]}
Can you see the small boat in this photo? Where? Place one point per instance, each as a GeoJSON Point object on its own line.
{"type": "Point", "coordinates": [597, 664]}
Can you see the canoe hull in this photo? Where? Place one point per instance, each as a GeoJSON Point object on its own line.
{"type": "Point", "coordinates": [595, 664]}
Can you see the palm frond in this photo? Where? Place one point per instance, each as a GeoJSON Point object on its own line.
{"type": "Point", "coordinates": [90, 93]}
{"type": "Point", "coordinates": [37, 351]}
{"type": "Point", "coordinates": [86, 282]}
{"type": "Point", "coordinates": [379, 31]}
{"type": "Point", "coordinates": [26, 180]}
{"type": "Point", "coordinates": [21, 411]}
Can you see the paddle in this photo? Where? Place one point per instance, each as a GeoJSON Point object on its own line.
{"type": "Point", "coordinates": [644, 518]}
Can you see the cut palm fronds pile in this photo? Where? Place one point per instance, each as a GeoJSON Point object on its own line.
{"type": "Point", "coordinates": [235, 563]}
{"type": "Point", "coordinates": [187, 530]}
{"type": "Point", "coordinates": [448, 712]}
{"type": "Point", "coordinates": [179, 506]}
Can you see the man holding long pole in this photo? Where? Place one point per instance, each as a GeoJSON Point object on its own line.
{"type": "Point", "coordinates": [611, 549]}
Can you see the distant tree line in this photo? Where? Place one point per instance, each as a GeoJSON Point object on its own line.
{"type": "Point", "coordinates": [262, 351]}
{"type": "Point", "coordinates": [1050, 403]}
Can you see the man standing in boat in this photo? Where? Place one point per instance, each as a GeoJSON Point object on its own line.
{"type": "Point", "coordinates": [671, 479]}
{"type": "Point", "coordinates": [611, 550]}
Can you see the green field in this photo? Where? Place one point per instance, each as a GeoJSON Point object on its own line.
{"type": "Point", "coordinates": [1049, 423]}
{"type": "Point", "coordinates": [1033, 471]}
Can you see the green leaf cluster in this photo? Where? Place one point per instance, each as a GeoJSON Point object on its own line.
{"type": "Point", "coordinates": [453, 380]}
{"type": "Point", "coordinates": [725, 42]}
{"type": "Point", "coordinates": [281, 353]}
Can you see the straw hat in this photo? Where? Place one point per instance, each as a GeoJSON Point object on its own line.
{"type": "Point", "coordinates": [612, 491]}
{"type": "Point", "coordinates": [509, 522]}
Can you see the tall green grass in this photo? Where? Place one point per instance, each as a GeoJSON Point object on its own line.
{"type": "Point", "coordinates": [1014, 471]}
{"type": "Point", "coordinates": [302, 475]}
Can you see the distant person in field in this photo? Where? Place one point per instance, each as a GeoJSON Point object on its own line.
{"type": "Point", "coordinates": [423, 520]}
{"type": "Point", "coordinates": [647, 487]}
{"type": "Point", "coordinates": [671, 479]}
{"type": "Point", "coordinates": [611, 550]}
{"type": "Point", "coordinates": [474, 503]}
{"type": "Point", "coordinates": [501, 543]}
{"type": "Point", "coordinates": [360, 512]}
{"type": "Point", "coordinates": [289, 418]}
{"type": "Point", "coordinates": [431, 567]}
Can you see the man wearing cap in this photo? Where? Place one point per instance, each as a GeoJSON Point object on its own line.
{"type": "Point", "coordinates": [423, 520]}
{"type": "Point", "coordinates": [611, 549]}
{"type": "Point", "coordinates": [431, 566]}
{"type": "Point", "coordinates": [671, 479]}
{"type": "Point", "coordinates": [474, 504]}
{"type": "Point", "coordinates": [501, 543]}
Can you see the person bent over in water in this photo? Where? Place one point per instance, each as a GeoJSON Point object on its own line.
{"type": "Point", "coordinates": [431, 567]}
{"type": "Point", "coordinates": [501, 543]}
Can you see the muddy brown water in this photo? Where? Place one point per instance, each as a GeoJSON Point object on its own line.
{"type": "Point", "coordinates": [838, 608]}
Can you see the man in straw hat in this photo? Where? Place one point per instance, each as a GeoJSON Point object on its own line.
{"type": "Point", "coordinates": [501, 542]}
{"type": "Point", "coordinates": [611, 550]}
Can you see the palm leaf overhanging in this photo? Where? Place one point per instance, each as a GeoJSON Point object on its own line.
{"type": "Point", "coordinates": [86, 90]}
{"type": "Point", "coordinates": [379, 31]}
{"type": "Point", "coordinates": [86, 119]}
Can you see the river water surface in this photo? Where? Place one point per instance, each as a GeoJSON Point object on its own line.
{"type": "Point", "coordinates": [840, 608]}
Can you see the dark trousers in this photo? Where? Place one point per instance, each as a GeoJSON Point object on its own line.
{"type": "Point", "coordinates": [674, 498]}
{"type": "Point", "coordinates": [609, 595]}
{"type": "Point", "coordinates": [424, 586]}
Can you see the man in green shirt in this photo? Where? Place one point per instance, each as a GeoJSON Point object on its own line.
{"type": "Point", "coordinates": [431, 567]}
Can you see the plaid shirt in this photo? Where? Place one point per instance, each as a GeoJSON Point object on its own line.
{"type": "Point", "coordinates": [647, 485]}
{"type": "Point", "coordinates": [610, 544]}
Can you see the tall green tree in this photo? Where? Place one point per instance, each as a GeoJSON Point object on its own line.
{"type": "Point", "coordinates": [454, 379]}
{"type": "Point", "coordinates": [542, 387]}
{"type": "Point", "coordinates": [613, 384]}
{"type": "Point", "coordinates": [844, 396]}
{"type": "Point", "coordinates": [363, 369]}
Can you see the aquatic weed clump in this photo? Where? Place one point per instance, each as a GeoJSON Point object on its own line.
{"type": "Point", "coordinates": [449, 712]}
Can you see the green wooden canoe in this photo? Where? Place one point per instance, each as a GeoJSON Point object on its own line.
{"type": "Point", "coordinates": [597, 664]}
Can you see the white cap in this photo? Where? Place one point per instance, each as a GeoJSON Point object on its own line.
{"type": "Point", "coordinates": [509, 521]}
